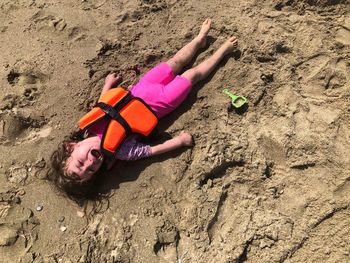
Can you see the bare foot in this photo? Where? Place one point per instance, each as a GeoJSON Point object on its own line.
{"type": "Point", "coordinates": [202, 36]}
{"type": "Point", "coordinates": [229, 45]}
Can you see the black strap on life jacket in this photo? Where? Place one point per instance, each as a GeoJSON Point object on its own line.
{"type": "Point", "coordinates": [113, 112]}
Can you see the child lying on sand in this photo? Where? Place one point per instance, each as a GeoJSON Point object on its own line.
{"type": "Point", "coordinates": [162, 90]}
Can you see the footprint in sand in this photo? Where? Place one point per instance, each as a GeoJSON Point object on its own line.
{"type": "Point", "coordinates": [22, 126]}
{"type": "Point", "coordinates": [25, 78]}
{"type": "Point", "coordinates": [46, 21]}
{"type": "Point", "coordinates": [26, 98]}
{"type": "Point", "coordinates": [26, 88]}
{"type": "Point", "coordinates": [138, 13]}
{"type": "Point", "coordinates": [49, 22]}
{"type": "Point", "coordinates": [76, 34]}
{"type": "Point", "coordinates": [322, 77]}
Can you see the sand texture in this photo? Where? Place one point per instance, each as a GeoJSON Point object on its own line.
{"type": "Point", "coordinates": [268, 184]}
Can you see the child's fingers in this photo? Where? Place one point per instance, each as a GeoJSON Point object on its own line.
{"type": "Point", "coordinates": [187, 138]}
{"type": "Point", "coordinates": [114, 76]}
{"type": "Point", "coordinates": [109, 75]}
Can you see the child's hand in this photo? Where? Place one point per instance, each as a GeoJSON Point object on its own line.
{"type": "Point", "coordinates": [112, 79]}
{"type": "Point", "coordinates": [186, 138]}
{"type": "Point", "coordinates": [110, 82]}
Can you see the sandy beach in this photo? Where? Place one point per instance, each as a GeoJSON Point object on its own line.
{"type": "Point", "coordinates": [270, 183]}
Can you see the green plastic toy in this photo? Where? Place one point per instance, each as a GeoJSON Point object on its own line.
{"type": "Point", "coordinates": [237, 101]}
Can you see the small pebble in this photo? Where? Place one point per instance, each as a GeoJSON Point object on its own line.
{"type": "Point", "coordinates": [80, 214]}
{"type": "Point", "coordinates": [63, 228]}
{"type": "Point", "coordinates": [39, 208]}
{"type": "Point", "coordinates": [21, 192]}
{"type": "Point", "coordinates": [61, 219]}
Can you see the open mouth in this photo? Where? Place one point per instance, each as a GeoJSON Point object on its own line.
{"type": "Point", "coordinates": [96, 153]}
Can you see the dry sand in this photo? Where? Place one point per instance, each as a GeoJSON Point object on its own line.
{"type": "Point", "coordinates": [270, 184]}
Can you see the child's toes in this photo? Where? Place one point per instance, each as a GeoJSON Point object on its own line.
{"type": "Point", "coordinates": [207, 23]}
{"type": "Point", "coordinates": [233, 40]}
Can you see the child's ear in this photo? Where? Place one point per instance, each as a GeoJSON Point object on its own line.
{"type": "Point", "coordinates": [70, 146]}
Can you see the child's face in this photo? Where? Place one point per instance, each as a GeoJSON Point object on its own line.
{"type": "Point", "coordinates": [85, 159]}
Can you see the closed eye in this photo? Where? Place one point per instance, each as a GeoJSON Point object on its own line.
{"type": "Point", "coordinates": [81, 163]}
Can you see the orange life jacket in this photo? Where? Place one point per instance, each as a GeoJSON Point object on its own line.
{"type": "Point", "coordinates": [125, 114]}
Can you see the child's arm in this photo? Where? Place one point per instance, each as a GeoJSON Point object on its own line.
{"type": "Point", "coordinates": [183, 139]}
{"type": "Point", "coordinates": [111, 80]}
